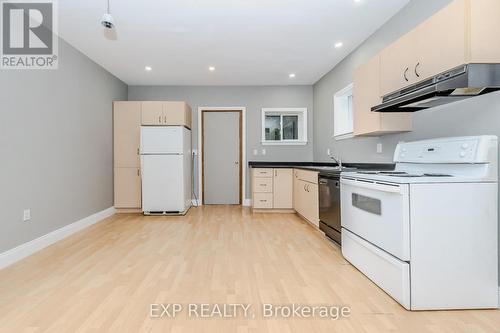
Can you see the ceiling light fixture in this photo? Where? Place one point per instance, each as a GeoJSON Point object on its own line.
{"type": "Point", "coordinates": [211, 68]}
{"type": "Point", "coordinates": [338, 45]}
{"type": "Point", "coordinates": [107, 20]}
{"type": "Point", "coordinates": [148, 68]}
{"type": "Point", "coordinates": [291, 76]}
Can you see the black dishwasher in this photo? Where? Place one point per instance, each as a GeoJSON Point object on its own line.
{"type": "Point", "coordinates": [329, 206]}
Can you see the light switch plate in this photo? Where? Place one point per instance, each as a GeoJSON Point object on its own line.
{"type": "Point", "coordinates": [379, 148]}
{"type": "Point", "coordinates": [255, 152]}
{"type": "Point", "coordinates": [263, 152]}
{"type": "Point", "coordinates": [328, 151]}
{"type": "Point", "coordinates": [26, 215]}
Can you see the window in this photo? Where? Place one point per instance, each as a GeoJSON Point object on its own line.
{"type": "Point", "coordinates": [342, 113]}
{"type": "Point", "coordinates": [284, 126]}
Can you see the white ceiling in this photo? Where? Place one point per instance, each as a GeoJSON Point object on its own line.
{"type": "Point", "coordinates": [250, 42]}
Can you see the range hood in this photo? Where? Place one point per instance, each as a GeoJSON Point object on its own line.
{"type": "Point", "coordinates": [455, 85]}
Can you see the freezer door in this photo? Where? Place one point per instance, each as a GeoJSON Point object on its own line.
{"type": "Point", "coordinates": [162, 140]}
{"type": "Point", "coordinates": [163, 183]}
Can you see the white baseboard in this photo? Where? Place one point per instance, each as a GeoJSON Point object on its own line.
{"type": "Point", "coordinates": [22, 251]}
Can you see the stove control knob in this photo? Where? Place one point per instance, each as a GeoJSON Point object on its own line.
{"type": "Point", "coordinates": [465, 146]}
{"type": "Point", "coordinates": [463, 154]}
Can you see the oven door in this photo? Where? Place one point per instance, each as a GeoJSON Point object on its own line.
{"type": "Point", "coordinates": [379, 213]}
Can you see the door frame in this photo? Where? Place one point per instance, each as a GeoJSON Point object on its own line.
{"type": "Point", "coordinates": [243, 166]}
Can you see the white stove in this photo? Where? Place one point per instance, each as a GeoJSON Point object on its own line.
{"type": "Point", "coordinates": [427, 232]}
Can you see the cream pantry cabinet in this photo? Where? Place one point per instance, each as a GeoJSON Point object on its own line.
{"type": "Point", "coordinates": [366, 94]}
{"type": "Point", "coordinates": [127, 188]}
{"type": "Point", "coordinates": [126, 142]}
{"type": "Point", "coordinates": [465, 31]}
{"type": "Point", "coordinates": [155, 113]}
{"type": "Point", "coordinates": [127, 132]}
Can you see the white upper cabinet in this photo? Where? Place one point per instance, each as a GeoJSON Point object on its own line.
{"type": "Point", "coordinates": [465, 31]}
{"type": "Point", "coordinates": [396, 64]}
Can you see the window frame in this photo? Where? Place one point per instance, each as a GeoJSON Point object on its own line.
{"type": "Point", "coordinates": [337, 100]}
{"type": "Point", "coordinates": [302, 125]}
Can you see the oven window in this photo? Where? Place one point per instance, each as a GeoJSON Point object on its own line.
{"type": "Point", "coordinates": [367, 204]}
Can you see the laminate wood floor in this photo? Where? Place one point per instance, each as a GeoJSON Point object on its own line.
{"type": "Point", "coordinates": [105, 278]}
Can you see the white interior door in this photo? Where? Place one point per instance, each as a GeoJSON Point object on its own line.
{"type": "Point", "coordinates": [221, 158]}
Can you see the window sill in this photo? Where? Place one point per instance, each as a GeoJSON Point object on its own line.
{"type": "Point", "coordinates": [284, 143]}
{"type": "Point", "coordinates": [344, 136]}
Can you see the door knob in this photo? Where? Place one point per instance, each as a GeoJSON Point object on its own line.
{"type": "Point", "coordinates": [236, 162]}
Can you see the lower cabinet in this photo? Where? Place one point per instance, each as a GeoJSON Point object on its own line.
{"type": "Point", "coordinates": [306, 197]}
{"type": "Point", "coordinates": [287, 189]}
{"type": "Point", "coordinates": [127, 188]}
{"type": "Point", "coordinates": [272, 188]}
{"type": "Point", "coordinates": [283, 189]}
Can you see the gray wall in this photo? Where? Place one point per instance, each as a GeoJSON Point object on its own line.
{"type": "Point", "coordinates": [254, 99]}
{"type": "Point", "coordinates": [56, 145]}
{"type": "Point", "coordinates": [475, 116]}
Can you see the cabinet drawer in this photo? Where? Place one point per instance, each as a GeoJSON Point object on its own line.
{"type": "Point", "coordinates": [263, 185]}
{"type": "Point", "coordinates": [263, 173]}
{"type": "Point", "coordinates": [263, 200]}
{"type": "Point", "coordinates": [307, 176]}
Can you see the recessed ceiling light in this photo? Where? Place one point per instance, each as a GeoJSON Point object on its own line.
{"type": "Point", "coordinates": [291, 76]}
{"type": "Point", "coordinates": [338, 45]}
{"type": "Point", "coordinates": [211, 68]}
{"type": "Point", "coordinates": [148, 68]}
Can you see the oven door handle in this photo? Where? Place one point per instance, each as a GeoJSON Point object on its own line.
{"type": "Point", "coordinates": [373, 186]}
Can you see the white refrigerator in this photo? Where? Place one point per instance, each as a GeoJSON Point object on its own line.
{"type": "Point", "coordinates": [166, 169]}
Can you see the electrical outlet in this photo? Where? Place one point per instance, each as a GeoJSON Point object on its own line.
{"type": "Point", "coordinates": [195, 152]}
{"type": "Point", "coordinates": [255, 152]}
{"type": "Point", "coordinates": [379, 148]}
{"type": "Point", "coordinates": [328, 151]}
{"type": "Point", "coordinates": [263, 152]}
{"type": "Point", "coordinates": [26, 215]}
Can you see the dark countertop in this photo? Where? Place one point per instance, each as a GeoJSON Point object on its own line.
{"type": "Point", "coordinates": [313, 165]}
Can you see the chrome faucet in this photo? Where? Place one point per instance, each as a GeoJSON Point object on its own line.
{"type": "Point", "coordinates": [337, 159]}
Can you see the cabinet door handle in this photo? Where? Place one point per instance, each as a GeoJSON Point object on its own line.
{"type": "Point", "coordinates": [159, 119]}
{"type": "Point", "coordinates": [138, 172]}
{"type": "Point", "coordinates": [165, 120]}
{"type": "Point", "coordinates": [416, 69]}
{"type": "Point", "coordinates": [275, 173]}
{"type": "Point", "coordinates": [405, 74]}
{"type": "Point", "coordinates": [138, 151]}
{"type": "Point", "coordinates": [307, 187]}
